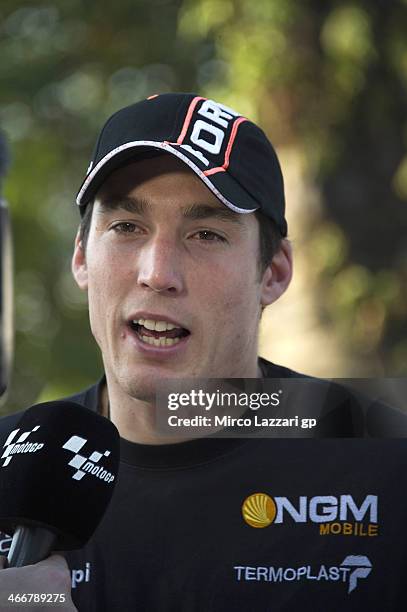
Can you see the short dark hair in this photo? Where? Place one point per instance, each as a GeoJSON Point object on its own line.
{"type": "Point", "coordinates": [270, 239]}
{"type": "Point", "coordinates": [269, 236]}
{"type": "Point", "coordinates": [84, 226]}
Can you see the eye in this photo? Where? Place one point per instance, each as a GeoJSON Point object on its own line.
{"type": "Point", "coordinates": [125, 227]}
{"type": "Point", "coordinates": [209, 236]}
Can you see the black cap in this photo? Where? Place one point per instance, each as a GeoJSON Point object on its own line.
{"type": "Point", "coordinates": [229, 153]}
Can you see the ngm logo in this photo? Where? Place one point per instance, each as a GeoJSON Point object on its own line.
{"type": "Point", "coordinates": [334, 514]}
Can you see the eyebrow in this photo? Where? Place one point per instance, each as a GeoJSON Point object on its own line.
{"type": "Point", "coordinates": [205, 211]}
{"type": "Point", "coordinates": [133, 205]}
{"type": "Point", "coordinates": [192, 212]}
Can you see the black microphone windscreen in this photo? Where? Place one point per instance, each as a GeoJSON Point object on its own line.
{"type": "Point", "coordinates": [58, 469]}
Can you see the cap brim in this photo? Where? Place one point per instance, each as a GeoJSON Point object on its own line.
{"type": "Point", "coordinates": [222, 184]}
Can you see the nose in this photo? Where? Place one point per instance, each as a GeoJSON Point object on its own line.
{"type": "Point", "coordinates": [159, 266]}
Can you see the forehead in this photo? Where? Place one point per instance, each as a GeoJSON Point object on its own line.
{"type": "Point", "coordinates": [161, 179]}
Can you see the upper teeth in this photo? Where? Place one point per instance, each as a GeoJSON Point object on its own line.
{"type": "Point", "coordinates": [159, 326]}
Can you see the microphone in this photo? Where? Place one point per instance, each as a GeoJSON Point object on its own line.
{"type": "Point", "coordinates": [6, 284]}
{"type": "Point", "coordinates": [58, 469]}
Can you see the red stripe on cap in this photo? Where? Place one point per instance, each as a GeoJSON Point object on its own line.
{"type": "Point", "coordinates": [228, 148]}
{"type": "Point", "coordinates": [188, 118]}
{"type": "Point", "coordinates": [215, 170]}
{"type": "Point", "coordinates": [153, 96]}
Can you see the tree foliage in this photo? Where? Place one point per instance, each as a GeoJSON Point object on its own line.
{"type": "Point", "coordinates": [326, 79]}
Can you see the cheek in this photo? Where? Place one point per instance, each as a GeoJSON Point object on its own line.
{"type": "Point", "coordinates": [102, 298]}
{"type": "Point", "coordinates": [233, 300]}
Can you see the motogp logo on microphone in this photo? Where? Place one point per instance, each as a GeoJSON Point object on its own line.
{"type": "Point", "coordinates": [87, 465]}
{"type": "Point", "coordinates": [20, 445]}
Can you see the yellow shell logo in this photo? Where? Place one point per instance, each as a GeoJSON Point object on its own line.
{"type": "Point", "coordinates": [259, 510]}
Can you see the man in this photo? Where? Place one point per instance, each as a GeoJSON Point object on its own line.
{"type": "Point", "coordinates": [182, 244]}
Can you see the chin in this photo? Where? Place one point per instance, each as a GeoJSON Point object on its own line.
{"type": "Point", "coordinates": [142, 387]}
{"type": "Point", "coordinates": [140, 390]}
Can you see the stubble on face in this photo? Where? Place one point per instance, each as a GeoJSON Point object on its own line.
{"type": "Point", "coordinates": [210, 286]}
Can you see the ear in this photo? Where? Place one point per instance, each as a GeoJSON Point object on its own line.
{"type": "Point", "coordinates": [79, 267]}
{"type": "Point", "coordinates": [278, 274]}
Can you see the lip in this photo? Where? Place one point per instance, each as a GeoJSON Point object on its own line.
{"type": "Point", "coordinates": [156, 351]}
{"type": "Point", "coordinates": [149, 350]}
{"type": "Point", "coordinates": [156, 317]}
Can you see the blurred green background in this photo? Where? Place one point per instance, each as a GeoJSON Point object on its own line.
{"type": "Point", "coordinates": [326, 81]}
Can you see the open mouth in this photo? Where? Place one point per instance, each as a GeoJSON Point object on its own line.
{"type": "Point", "coordinates": [158, 332]}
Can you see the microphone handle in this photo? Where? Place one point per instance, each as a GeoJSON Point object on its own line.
{"type": "Point", "coordinates": [30, 545]}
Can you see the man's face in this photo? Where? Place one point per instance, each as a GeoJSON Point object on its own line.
{"type": "Point", "coordinates": [172, 279]}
